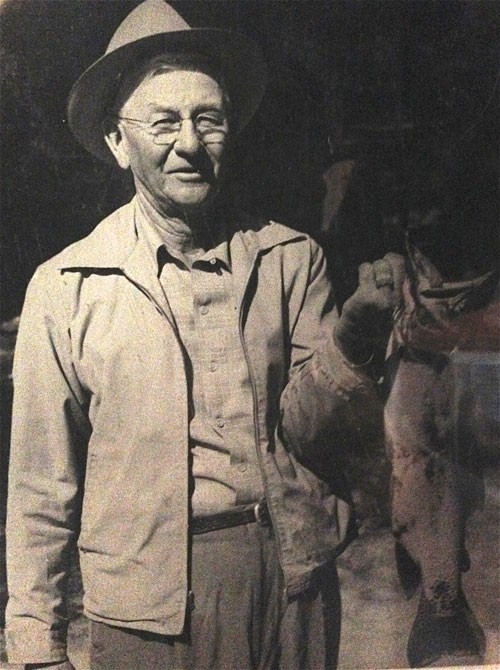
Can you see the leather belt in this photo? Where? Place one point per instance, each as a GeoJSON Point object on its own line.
{"type": "Point", "coordinates": [236, 516]}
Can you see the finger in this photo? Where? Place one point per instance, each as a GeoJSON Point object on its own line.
{"type": "Point", "coordinates": [383, 275]}
{"type": "Point", "coordinates": [397, 263]}
{"type": "Point", "coordinates": [365, 273]}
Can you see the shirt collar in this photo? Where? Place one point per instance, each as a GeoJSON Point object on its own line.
{"type": "Point", "coordinates": [113, 242]}
{"type": "Point", "coordinates": [162, 245]}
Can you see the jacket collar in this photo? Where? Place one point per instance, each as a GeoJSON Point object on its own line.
{"type": "Point", "coordinates": [115, 240]}
{"type": "Point", "coordinates": [107, 247]}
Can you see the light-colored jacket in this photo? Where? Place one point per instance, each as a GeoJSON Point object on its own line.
{"type": "Point", "coordinates": [100, 429]}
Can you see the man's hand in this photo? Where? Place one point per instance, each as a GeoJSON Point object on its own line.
{"type": "Point", "coordinates": [367, 317]}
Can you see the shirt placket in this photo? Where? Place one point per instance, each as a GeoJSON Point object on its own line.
{"type": "Point", "coordinates": [210, 301]}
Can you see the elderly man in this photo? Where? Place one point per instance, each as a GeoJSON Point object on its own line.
{"type": "Point", "coordinates": [174, 373]}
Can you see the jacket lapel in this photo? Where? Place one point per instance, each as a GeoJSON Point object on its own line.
{"type": "Point", "coordinates": [247, 245]}
{"type": "Point", "coordinates": [114, 246]}
{"type": "Point", "coordinates": [138, 268]}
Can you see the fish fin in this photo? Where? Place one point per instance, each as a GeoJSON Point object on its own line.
{"type": "Point", "coordinates": [455, 635]}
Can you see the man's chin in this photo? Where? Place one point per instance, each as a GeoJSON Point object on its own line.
{"type": "Point", "coordinates": [195, 199]}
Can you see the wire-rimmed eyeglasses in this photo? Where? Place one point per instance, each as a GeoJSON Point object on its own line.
{"type": "Point", "coordinates": [211, 128]}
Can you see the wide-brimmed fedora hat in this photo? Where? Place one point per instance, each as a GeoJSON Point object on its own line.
{"type": "Point", "coordinates": [154, 27]}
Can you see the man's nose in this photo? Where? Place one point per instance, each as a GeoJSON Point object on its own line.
{"type": "Point", "coordinates": [187, 140]}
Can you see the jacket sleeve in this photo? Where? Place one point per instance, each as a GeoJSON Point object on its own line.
{"type": "Point", "coordinates": [320, 405]}
{"type": "Point", "coordinates": [50, 430]}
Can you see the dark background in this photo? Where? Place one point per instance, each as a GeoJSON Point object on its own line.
{"type": "Point", "coordinates": [409, 89]}
{"type": "Point", "coordinates": [405, 90]}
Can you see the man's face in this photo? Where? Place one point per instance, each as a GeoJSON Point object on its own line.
{"type": "Point", "coordinates": [179, 177]}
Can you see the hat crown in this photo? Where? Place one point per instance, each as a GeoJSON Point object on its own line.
{"type": "Point", "coordinates": [151, 17]}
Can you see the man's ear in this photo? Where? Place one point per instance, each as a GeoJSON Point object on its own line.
{"type": "Point", "coordinates": [117, 144]}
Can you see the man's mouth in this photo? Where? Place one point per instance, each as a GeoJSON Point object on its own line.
{"type": "Point", "coordinates": [187, 174]}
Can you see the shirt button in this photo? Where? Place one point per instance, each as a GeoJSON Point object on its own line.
{"type": "Point", "coordinates": [242, 467]}
{"type": "Point", "coordinates": [204, 309]}
{"type": "Point", "coordinates": [221, 423]}
{"type": "Point", "coordinates": [213, 367]}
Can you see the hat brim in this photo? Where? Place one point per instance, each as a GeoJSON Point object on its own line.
{"type": "Point", "coordinates": [239, 58]}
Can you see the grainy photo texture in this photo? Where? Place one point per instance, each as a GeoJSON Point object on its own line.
{"type": "Point", "coordinates": [249, 334]}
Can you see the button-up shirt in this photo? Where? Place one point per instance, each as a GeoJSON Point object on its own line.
{"type": "Point", "coordinates": [202, 298]}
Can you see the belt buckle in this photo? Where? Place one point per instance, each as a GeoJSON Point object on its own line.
{"type": "Point", "coordinates": [261, 512]}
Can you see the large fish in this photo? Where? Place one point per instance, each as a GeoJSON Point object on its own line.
{"type": "Point", "coordinates": [433, 487]}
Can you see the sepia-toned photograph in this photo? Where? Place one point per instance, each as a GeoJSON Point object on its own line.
{"type": "Point", "coordinates": [249, 334]}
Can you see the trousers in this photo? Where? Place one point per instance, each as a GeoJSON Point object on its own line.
{"type": "Point", "coordinates": [241, 618]}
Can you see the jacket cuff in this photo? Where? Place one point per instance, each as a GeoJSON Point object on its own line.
{"type": "Point", "coordinates": [346, 376]}
{"type": "Point", "coordinates": [31, 642]}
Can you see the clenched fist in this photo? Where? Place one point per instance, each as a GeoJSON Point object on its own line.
{"type": "Point", "coordinates": [367, 317]}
